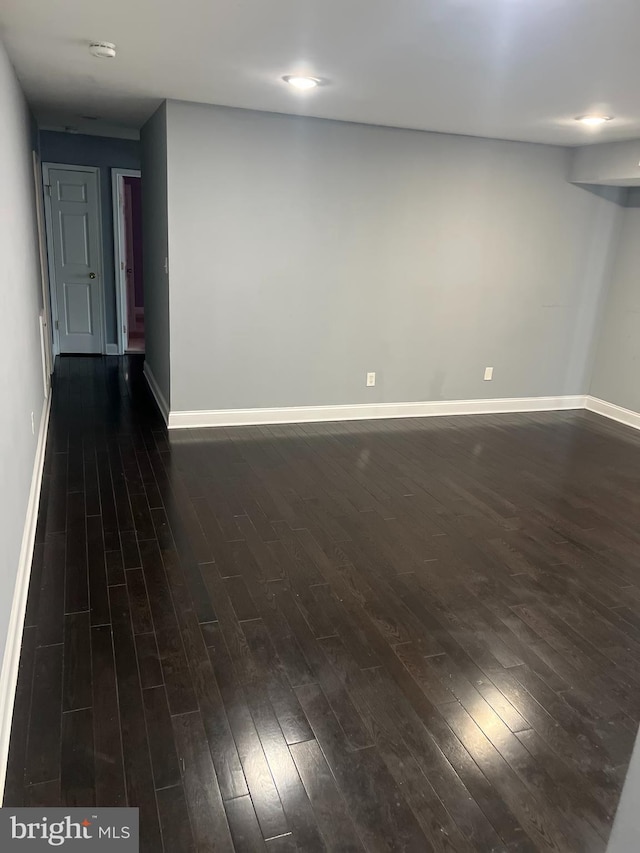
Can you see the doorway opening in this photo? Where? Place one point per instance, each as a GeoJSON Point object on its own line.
{"type": "Point", "coordinates": [127, 233]}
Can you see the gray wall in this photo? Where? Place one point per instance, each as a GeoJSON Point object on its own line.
{"type": "Point", "coordinates": [21, 381]}
{"type": "Point", "coordinates": [616, 374]}
{"type": "Point", "coordinates": [306, 252]}
{"type": "Point", "coordinates": [107, 153]}
{"type": "Point", "coordinates": [612, 163]}
{"type": "Point", "coordinates": [153, 140]}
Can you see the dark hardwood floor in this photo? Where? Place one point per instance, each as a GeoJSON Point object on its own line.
{"type": "Point", "coordinates": [387, 635]}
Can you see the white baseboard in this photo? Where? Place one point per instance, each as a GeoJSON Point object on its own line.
{"type": "Point", "coordinates": [367, 411]}
{"type": "Point", "coordinates": [157, 393]}
{"type": "Point", "coordinates": [11, 660]}
{"type": "Point", "coordinates": [112, 349]}
{"type": "Point", "coordinates": [615, 413]}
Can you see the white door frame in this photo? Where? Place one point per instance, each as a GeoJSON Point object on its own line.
{"type": "Point", "coordinates": [50, 260]}
{"type": "Point", "coordinates": [47, 325]}
{"type": "Point", "coordinates": [119, 249]}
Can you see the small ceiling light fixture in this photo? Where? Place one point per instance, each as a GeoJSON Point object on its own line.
{"type": "Point", "coordinates": [102, 49]}
{"type": "Point", "coordinates": [302, 83]}
{"type": "Point", "coordinates": [593, 120]}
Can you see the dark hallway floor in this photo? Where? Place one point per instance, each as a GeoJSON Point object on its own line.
{"type": "Point", "coordinates": [402, 635]}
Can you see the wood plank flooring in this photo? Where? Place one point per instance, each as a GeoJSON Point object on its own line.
{"type": "Point", "coordinates": [392, 635]}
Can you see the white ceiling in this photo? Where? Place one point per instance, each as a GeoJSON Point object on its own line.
{"type": "Point", "coordinates": [513, 69]}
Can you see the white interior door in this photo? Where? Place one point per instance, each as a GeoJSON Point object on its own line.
{"type": "Point", "coordinates": [76, 263]}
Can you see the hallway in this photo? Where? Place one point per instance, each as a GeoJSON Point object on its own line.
{"type": "Point", "coordinates": [395, 635]}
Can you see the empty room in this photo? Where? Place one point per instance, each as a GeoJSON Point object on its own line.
{"type": "Point", "coordinates": [320, 448]}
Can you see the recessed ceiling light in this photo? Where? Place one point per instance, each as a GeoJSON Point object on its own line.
{"type": "Point", "coordinates": [102, 49]}
{"type": "Point", "coordinates": [302, 83]}
{"type": "Point", "coordinates": [593, 121]}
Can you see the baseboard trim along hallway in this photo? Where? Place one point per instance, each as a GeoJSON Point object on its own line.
{"type": "Point", "coordinates": [372, 411]}
{"type": "Point", "coordinates": [9, 675]}
{"type": "Point", "coordinates": [365, 411]}
{"type": "Point", "coordinates": [615, 413]}
{"type": "Point", "coordinates": [158, 396]}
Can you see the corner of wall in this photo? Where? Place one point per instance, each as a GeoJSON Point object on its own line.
{"type": "Point", "coordinates": [629, 198]}
{"type": "Point", "coordinates": [619, 200]}
{"type": "Point", "coordinates": [153, 138]}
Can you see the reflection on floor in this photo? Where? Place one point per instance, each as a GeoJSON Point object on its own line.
{"type": "Point", "coordinates": [405, 635]}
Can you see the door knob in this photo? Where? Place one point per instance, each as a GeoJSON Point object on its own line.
{"type": "Point", "coordinates": [92, 275]}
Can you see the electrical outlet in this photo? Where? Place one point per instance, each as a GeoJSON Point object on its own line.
{"type": "Point", "coordinates": [488, 373]}
{"type": "Point", "coordinates": [33, 425]}
{"type": "Point", "coordinates": [371, 380]}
